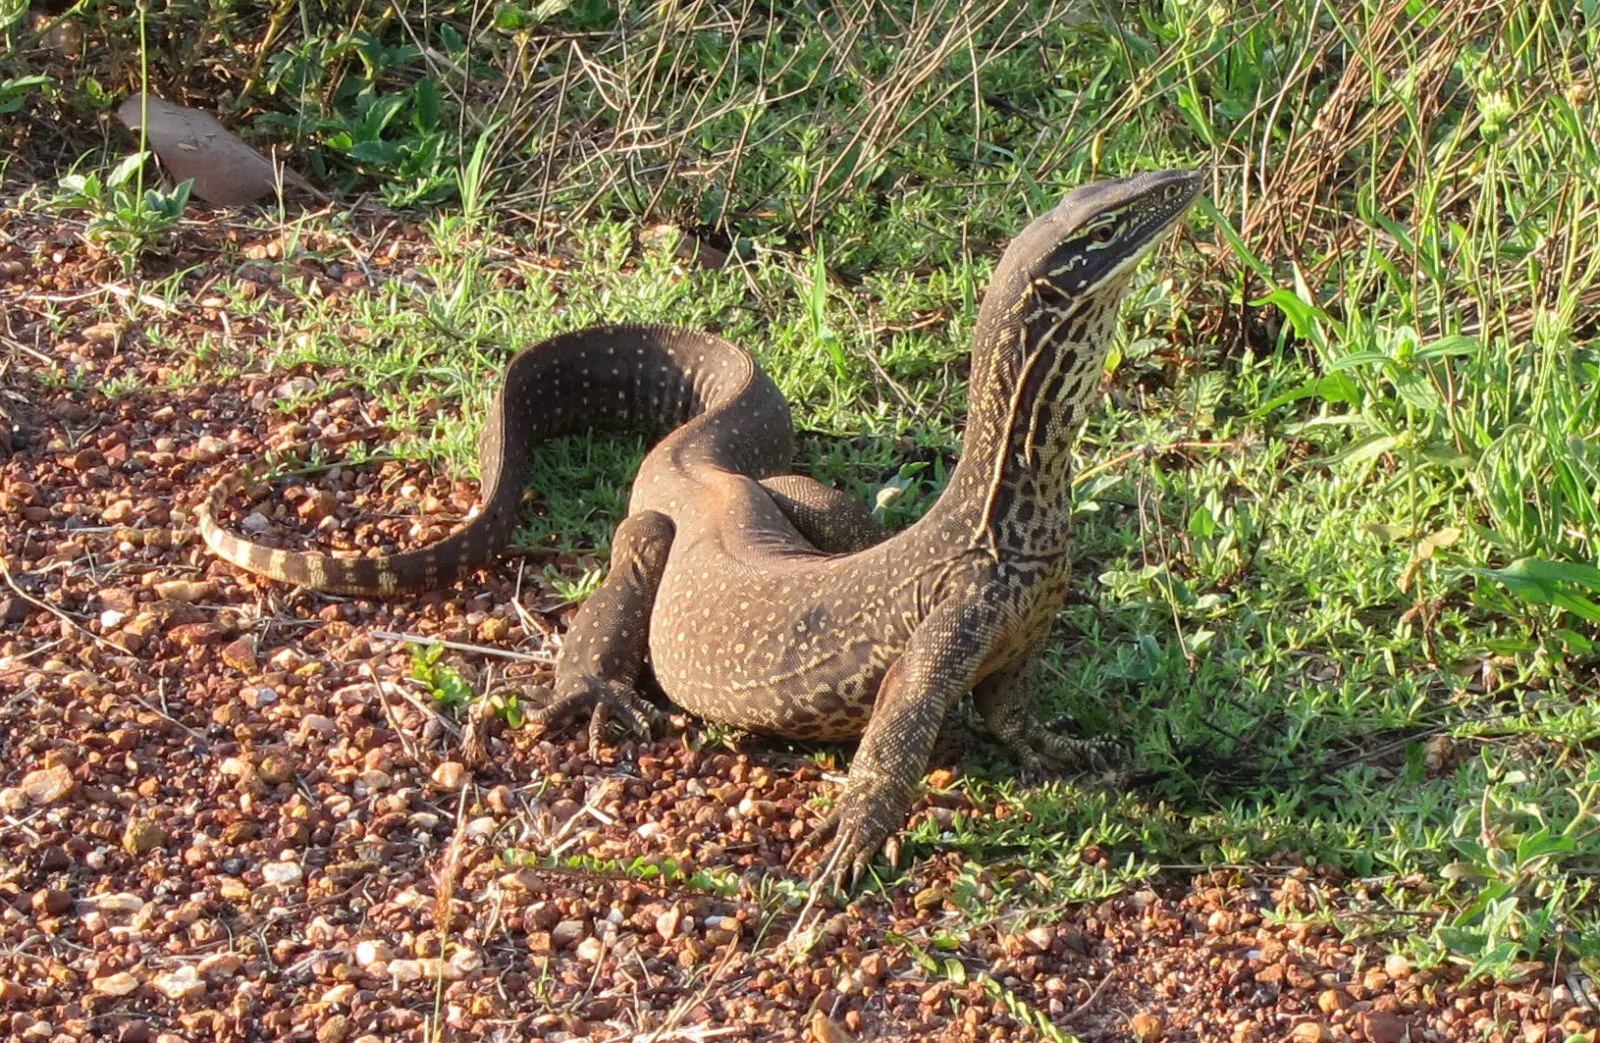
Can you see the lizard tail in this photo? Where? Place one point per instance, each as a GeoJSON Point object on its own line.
{"type": "Point", "coordinates": [649, 378]}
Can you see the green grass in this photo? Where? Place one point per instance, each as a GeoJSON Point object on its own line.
{"type": "Point", "coordinates": [1343, 606]}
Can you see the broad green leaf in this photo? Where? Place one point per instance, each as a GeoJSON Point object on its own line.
{"type": "Point", "coordinates": [1454, 344]}
{"type": "Point", "coordinates": [1302, 315]}
{"type": "Point", "coordinates": [1369, 448]}
{"type": "Point", "coordinates": [1356, 359]}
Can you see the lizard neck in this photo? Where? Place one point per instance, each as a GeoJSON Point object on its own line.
{"type": "Point", "coordinates": [1036, 368]}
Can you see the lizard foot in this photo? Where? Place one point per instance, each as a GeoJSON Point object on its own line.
{"type": "Point", "coordinates": [605, 700]}
{"type": "Point", "coordinates": [1043, 753]}
{"type": "Point", "coordinates": [858, 832]}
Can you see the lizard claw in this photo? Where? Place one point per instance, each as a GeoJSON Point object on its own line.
{"type": "Point", "coordinates": [606, 701]}
{"type": "Point", "coordinates": [1043, 754]}
{"type": "Point", "coordinates": [856, 839]}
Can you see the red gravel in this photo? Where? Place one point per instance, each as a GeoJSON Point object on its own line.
{"type": "Point", "coordinates": [226, 813]}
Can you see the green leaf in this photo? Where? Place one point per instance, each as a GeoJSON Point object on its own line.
{"type": "Point", "coordinates": [1461, 941]}
{"type": "Point", "coordinates": [425, 117]}
{"type": "Point", "coordinates": [1334, 387]}
{"type": "Point", "coordinates": [1564, 585]}
{"type": "Point", "coordinates": [1418, 390]}
{"type": "Point", "coordinates": [1455, 344]}
{"type": "Point", "coordinates": [1541, 843]}
{"type": "Point", "coordinates": [1357, 359]}
{"type": "Point", "coordinates": [1498, 956]}
{"type": "Point", "coordinates": [1574, 641]}
{"type": "Point", "coordinates": [1240, 250]}
{"type": "Point", "coordinates": [1369, 448]}
{"type": "Point", "coordinates": [1447, 456]}
{"type": "Point", "coordinates": [1305, 317]}
{"type": "Point", "coordinates": [14, 92]}
{"type": "Point", "coordinates": [125, 169]}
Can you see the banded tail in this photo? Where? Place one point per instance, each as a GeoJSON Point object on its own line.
{"type": "Point", "coordinates": [649, 378]}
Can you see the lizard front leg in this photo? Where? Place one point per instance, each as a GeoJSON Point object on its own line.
{"type": "Point", "coordinates": [604, 652]}
{"type": "Point", "coordinates": [937, 668]}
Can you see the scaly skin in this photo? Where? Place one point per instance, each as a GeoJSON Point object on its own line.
{"type": "Point", "coordinates": [769, 602]}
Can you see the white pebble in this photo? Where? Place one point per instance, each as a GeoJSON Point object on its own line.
{"type": "Point", "coordinates": [180, 984]}
{"type": "Point", "coordinates": [281, 873]}
{"type": "Point", "coordinates": [119, 984]}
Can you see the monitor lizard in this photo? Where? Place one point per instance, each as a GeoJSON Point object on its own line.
{"type": "Point", "coordinates": [774, 603]}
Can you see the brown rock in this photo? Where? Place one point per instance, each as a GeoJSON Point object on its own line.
{"type": "Point", "coordinates": [85, 460]}
{"type": "Point", "coordinates": [142, 836]}
{"type": "Point", "coordinates": [1331, 1001]}
{"type": "Point", "coordinates": [1246, 1032]}
{"type": "Point", "coordinates": [102, 333]}
{"type": "Point", "coordinates": [61, 757]}
{"type": "Point", "coordinates": [241, 653]}
{"type": "Point", "coordinates": [220, 966]}
{"type": "Point", "coordinates": [1038, 939]}
{"type": "Point", "coordinates": [825, 1030]}
{"type": "Point", "coordinates": [119, 599]}
{"type": "Point", "coordinates": [1147, 1026]}
{"type": "Point", "coordinates": [275, 768]}
{"type": "Point", "coordinates": [1382, 1027]}
{"type": "Point", "coordinates": [320, 504]}
{"type": "Point", "coordinates": [334, 1029]}
{"type": "Point", "coordinates": [186, 591]}
{"type": "Point", "coordinates": [181, 983]}
{"type": "Point", "coordinates": [194, 635]}
{"type": "Point", "coordinates": [48, 785]}
{"type": "Point", "coordinates": [567, 932]}
{"type": "Point", "coordinates": [1308, 1032]}
{"type": "Point", "coordinates": [51, 901]}
{"type": "Point", "coordinates": [449, 775]}
{"type": "Point", "coordinates": [667, 922]}
{"type": "Point", "coordinates": [118, 984]}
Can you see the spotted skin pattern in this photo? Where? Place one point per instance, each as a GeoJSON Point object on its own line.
{"type": "Point", "coordinates": [767, 601]}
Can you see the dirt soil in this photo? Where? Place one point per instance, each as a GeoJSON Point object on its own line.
{"type": "Point", "coordinates": [227, 813]}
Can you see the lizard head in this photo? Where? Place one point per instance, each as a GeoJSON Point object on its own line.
{"type": "Point", "coordinates": [1098, 233]}
{"type": "Point", "coordinates": [1059, 282]}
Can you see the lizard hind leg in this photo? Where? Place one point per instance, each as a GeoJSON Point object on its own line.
{"type": "Point", "coordinates": [833, 520]}
{"type": "Point", "coordinates": [1002, 700]}
{"type": "Point", "coordinates": [603, 657]}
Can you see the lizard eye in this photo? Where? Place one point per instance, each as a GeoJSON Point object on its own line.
{"type": "Point", "coordinates": [1103, 234]}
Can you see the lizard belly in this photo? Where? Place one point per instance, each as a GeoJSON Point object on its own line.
{"type": "Point", "coordinates": [798, 649]}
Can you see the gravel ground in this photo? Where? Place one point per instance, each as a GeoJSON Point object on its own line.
{"type": "Point", "coordinates": [226, 813]}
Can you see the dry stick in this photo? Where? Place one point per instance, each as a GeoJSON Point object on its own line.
{"type": "Point", "coordinates": [394, 720]}
{"type": "Point", "coordinates": [19, 346]}
{"type": "Point", "coordinates": [1090, 1000]}
{"type": "Point", "coordinates": [462, 646]}
{"type": "Point", "coordinates": [688, 1003]}
{"type": "Point", "coordinates": [1151, 450]}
